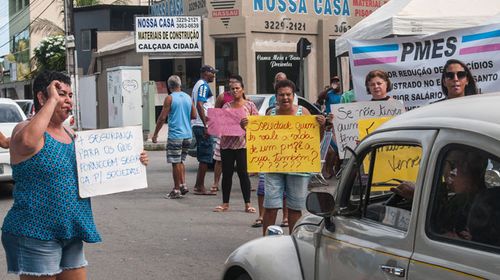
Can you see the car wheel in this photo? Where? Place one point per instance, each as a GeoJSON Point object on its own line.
{"type": "Point", "coordinates": [243, 276]}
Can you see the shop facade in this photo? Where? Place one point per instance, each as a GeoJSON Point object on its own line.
{"type": "Point", "coordinates": [252, 38]}
{"type": "Point", "coordinates": [258, 38]}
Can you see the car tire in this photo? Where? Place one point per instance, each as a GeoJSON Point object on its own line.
{"type": "Point", "coordinates": [244, 276]}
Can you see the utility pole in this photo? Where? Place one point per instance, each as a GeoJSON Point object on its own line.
{"type": "Point", "coordinates": [68, 31]}
{"type": "Point", "coordinates": [303, 49]}
{"type": "Point", "coordinates": [71, 65]}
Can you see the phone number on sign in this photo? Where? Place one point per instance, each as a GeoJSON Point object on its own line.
{"type": "Point", "coordinates": [187, 25]}
{"type": "Point", "coordinates": [187, 19]}
{"type": "Point", "coordinates": [284, 25]}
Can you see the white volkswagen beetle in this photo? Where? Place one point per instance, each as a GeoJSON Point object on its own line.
{"type": "Point", "coordinates": [444, 223]}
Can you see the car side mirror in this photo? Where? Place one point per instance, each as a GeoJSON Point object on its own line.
{"type": "Point", "coordinates": [320, 204]}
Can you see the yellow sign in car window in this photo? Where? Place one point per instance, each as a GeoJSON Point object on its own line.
{"type": "Point", "coordinates": [393, 163]}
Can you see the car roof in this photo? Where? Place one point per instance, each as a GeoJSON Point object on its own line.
{"type": "Point", "coordinates": [7, 101]}
{"type": "Point", "coordinates": [477, 113]}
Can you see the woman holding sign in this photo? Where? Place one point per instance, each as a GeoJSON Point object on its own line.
{"type": "Point", "coordinates": [294, 184]}
{"type": "Point", "coordinates": [233, 150]}
{"type": "Point", "coordinates": [43, 232]}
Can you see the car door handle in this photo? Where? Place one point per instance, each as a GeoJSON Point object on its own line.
{"type": "Point", "coordinates": [400, 272]}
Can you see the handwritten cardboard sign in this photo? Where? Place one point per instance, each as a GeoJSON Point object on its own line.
{"type": "Point", "coordinates": [283, 144]}
{"type": "Point", "coordinates": [367, 126]}
{"type": "Point", "coordinates": [400, 162]}
{"type": "Point", "coordinates": [108, 161]}
{"type": "Point", "coordinates": [394, 161]}
{"type": "Point", "coordinates": [345, 122]}
{"type": "Point", "coordinates": [225, 122]}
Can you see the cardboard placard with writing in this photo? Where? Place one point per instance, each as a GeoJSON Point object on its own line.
{"type": "Point", "coordinates": [345, 122]}
{"type": "Point", "coordinates": [394, 161]}
{"type": "Point", "coordinates": [367, 126]}
{"type": "Point", "coordinates": [400, 162]}
{"type": "Point", "coordinates": [225, 122]}
{"type": "Point", "coordinates": [283, 144]}
{"type": "Point", "coordinates": [108, 161]}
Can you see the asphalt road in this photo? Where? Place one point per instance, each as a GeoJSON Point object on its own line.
{"type": "Point", "coordinates": [148, 237]}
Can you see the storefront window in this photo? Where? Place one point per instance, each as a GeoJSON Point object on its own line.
{"type": "Point", "coordinates": [226, 60]}
{"type": "Point", "coordinates": [270, 63]}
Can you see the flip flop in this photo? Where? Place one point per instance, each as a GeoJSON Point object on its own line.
{"type": "Point", "coordinates": [221, 208]}
{"type": "Point", "coordinates": [257, 223]}
{"type": "Point", "coordinates": [250, 210]}
{"type": "Point", "coordinates": [197, 192]}
{"type": "Point", "coordinates": [284, 224]}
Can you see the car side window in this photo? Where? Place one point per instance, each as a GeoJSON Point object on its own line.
{"type": "Point", "coordinates": [465, 196]}
{"type": "Point", "coordinates": [377, 189]}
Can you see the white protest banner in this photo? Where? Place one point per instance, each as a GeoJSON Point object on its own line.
{"type": "Point", "coordinates": [345, 122]}
{"type": "Point", "coordinates": [415, 64]}
{"type": "Point", "coordinates": [168, 34]}
{"type": "Point", "coordinates": [108, 161]}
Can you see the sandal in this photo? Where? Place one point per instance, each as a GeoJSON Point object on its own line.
{"type": "Point", "coordinates": [257, 223]}
{"type": "Point", "coordinates": [202, 192]}
{"type": "Point", "coordinates": [221, 208]}
{"type": "Point", "coordinates": [250, 209]}
{"type": "Point", "coordinates": [214, 189]}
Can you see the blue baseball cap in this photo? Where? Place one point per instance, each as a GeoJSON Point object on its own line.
{"type": "Point", "coordinates": [208, 68]}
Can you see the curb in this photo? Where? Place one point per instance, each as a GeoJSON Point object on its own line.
{"type": "Point", "coordinates": [150, 146]}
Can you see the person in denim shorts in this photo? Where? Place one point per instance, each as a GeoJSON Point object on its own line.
{"type": "Point", "coordinates": [180, 110]}
{"type": "Point", "coordinates": [203, 99]}
{"type": "Point", "coordinates": [294, 184]}
{"type": "Point", "coordinates": [43, 232]}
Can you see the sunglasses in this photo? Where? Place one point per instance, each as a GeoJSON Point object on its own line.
{"type": "Point", "coordinates": [451, 75]}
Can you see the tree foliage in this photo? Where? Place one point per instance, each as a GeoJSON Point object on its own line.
{"type": "Point", "coordinates": [51, 54]}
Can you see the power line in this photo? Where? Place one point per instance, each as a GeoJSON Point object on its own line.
{"type": "Point", "coordinates": [18, 16]}
{"type": "Point", "coordinates": [10, 40]}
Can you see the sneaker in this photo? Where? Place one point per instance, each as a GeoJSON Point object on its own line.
{"type": "Point", "coordinates": [174, 195]}
{"type": "Point", "coordinates": [184, 190]}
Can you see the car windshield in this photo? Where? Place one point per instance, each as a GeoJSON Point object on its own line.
{"type": "Point", "coordinates": [258, 101]}
{"type": "Point", "coordinates": [9, 114]}
{"type": "Point", "coordinates": [25, 106]}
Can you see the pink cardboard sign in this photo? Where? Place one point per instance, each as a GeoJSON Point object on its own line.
{"type": "Point", "coordinates": [225, 122]}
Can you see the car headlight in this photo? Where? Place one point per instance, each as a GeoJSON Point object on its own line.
{"type": "Point", "coordinates": [274, 230]}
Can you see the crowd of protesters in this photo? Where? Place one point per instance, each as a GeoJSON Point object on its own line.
{"type": "Point", "coordinates": [43, 234]}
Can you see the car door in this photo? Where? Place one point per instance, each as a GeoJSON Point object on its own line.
{"type": "Point", "coordinates": [369, 239]}
{"type": "Point", "coordinates": [464, 245]}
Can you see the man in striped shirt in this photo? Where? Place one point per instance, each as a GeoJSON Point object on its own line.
{"type": "Point", "coordinates": [203, 99]}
